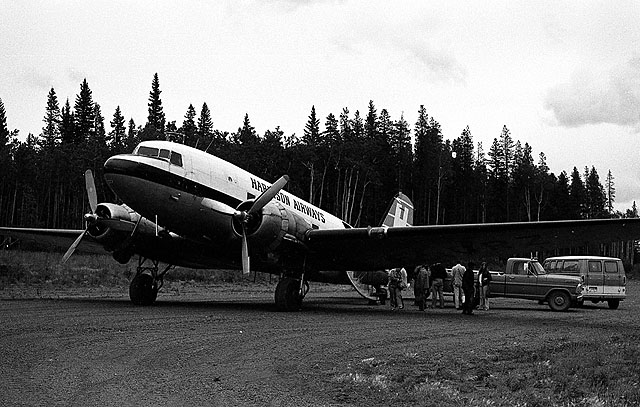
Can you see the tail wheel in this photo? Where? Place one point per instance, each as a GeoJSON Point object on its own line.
{"type": "Point", "coordinates": [143, 290]}
{"type": "Point", "coordinates": [288, 295]}
{"type": "Point", "coordinates": [559, 301]}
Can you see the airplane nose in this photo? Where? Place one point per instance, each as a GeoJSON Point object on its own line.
{"type": "Point", "coordinates": [119, 165]}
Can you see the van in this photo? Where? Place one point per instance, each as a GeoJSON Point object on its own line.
{"type": "Point", "coordinates": [603, 278]}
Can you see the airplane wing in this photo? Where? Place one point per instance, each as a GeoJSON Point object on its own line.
{"type": "Point", "coordinates": [382, 247]}
{"type": "Point", "coordinates": [54, 238]}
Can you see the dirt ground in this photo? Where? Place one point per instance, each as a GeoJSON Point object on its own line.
{"type": "Point", "coordinates": [226, 345]}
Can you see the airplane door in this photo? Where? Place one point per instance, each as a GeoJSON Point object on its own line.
{"type": "Point", "coordinates": [594, 280]}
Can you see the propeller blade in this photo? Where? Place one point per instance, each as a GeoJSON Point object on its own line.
{"type": "Point", "coordinates": [90, 185]}
{"type": "Point", "coordinates": [73, 247]}
{"type": "Point", "coordinates": [268, 195]}
{"type": "Point", "coordinates": [245, 252]}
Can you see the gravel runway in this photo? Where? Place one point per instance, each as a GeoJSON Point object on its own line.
{"type": "Point", "coordinates": [223, 346]}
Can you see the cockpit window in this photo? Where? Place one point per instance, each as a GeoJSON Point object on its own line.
{"type": "Point", "coordinates": [173, 157]}
{"type": "Point", "coordinates": [176, 159]}
{"type": "Point", "coordinates": [147, 151]}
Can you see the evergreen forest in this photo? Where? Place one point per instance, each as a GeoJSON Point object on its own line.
{"type": "Point", "coordinates": [350, 164]}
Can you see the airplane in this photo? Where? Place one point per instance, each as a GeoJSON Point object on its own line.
{"type": "Point", "coordinates": [185, 207]}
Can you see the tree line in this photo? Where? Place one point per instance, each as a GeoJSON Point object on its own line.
{"type": "Point", "coordinates": [349, 164]}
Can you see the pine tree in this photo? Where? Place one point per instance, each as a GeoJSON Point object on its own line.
{"type": "Point", "coordinates": [4, 131]}
{"type": "Point", "coordinates": [51, 129]}
{"type": "Point", "coordinates": [205, 128]}
{"type": "Point", "coordinates": [84, 116]}
{"type": "Point", "coordinates": [189, 129]}
{"type": "Point", "coordinates": [100, 133]}
{"type": "Point", "coordinates": [311, 141]}
{"type": "Point", "coordinates": [67, 125]}
{"type": "Point", "coordinates": [156, 115]}
{"type": "Point", "coordinates": [311, 135]}
{"type": "Point", "coordinates": [610, 190]}
{"type": "Point", "coordinates": [118, 133]}
{"type": "Point", "coordinates": [596, 197]}
{"type": "Point", "coordinates": [247, 134]}
{"type": "Point", "coordinates": [578, 196]}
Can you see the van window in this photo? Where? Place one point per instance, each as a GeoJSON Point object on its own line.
{"type": "Point", "coordinates": [611, 266]}
{"type": "Point", "coordinates": [165, 154]}
{"type": "Point", "coordinates": [595, 266]}
{"type": "Point", "coordinates": [571, 266]}
{"type": "Point", "coordinates": [551, 266]}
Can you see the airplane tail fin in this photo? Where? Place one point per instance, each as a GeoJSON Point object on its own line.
{"type": "Point", "coordinates": [400, 212]}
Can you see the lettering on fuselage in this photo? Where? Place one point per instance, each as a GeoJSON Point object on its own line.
{"type": "Point", "coordinates": [297, 205]}
{"type": "Point", "coordinates": [317, 215]}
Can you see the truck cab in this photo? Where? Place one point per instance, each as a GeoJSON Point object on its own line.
{"type": "Point", "coordinates": [527, 279]}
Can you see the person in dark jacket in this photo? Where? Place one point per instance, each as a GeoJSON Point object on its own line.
{"type": "Point", "coordinates": [468, 283]}
{"type": "Point", "coordinates": [438, 275]}
{"type": "Point", "coordinates": [421, 286]}
{"type": "Point", "coordinates": [484, 279]}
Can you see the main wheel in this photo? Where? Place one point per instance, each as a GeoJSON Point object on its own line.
{"type": "Point", "coordinates": [143, 290]}
{"type": "Point", "coordinates": [559, 301]}
{"type": "Point", "coordinates": [288, 296]}
{"type": "Point", "coordinates": [614, 304]}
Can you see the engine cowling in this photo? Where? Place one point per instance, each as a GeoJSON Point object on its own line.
{"type": "Point", "coordinates": [266, 230]}
{"type": "Point", "coordinates": [105, 235]}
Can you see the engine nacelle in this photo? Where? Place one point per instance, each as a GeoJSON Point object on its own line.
{"type": "Point", "coordinates": [108, 237]}
{"type": "Point", "coordinates": [267, 230]}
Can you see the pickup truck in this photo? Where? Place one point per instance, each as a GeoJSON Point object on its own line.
{"type": "Point", "coordinates": [526, 278]}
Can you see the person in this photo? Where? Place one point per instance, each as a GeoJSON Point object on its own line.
{"type": "Point", "coordinates": [438, 275]}
{"type": "Point", "coordinates": [457, 271]}
{"type": "Point", "coordinates": [395, 287]}
{"type": "Point", "coordinates": [468, 283]}
{"type": "Point", "coordinates": [484, 278]}
{"type": "Point", "coordinates": [421, 285]}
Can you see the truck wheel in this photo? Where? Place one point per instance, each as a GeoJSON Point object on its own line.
{"type": "Point", "coordinates": [614, 304]}
{"type": "Point", "coordinates": [559, 301]}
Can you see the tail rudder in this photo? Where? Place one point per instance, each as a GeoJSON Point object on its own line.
{"type": "Point", "coordinates": [400, 212]}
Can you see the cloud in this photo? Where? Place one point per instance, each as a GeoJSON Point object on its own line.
{"type": "Point", "coordinates": [598, 97]}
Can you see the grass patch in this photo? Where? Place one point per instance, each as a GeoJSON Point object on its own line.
{"type": "Point", "coordinates": [24, 268]}
{"type": "Point", "coordinates": [588, 373]}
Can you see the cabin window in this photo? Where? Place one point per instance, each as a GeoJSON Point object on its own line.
{"type": "Point", "coordinates": [571, 266]}
{"type": "Point", "coordinates": [176, 159]}
{"type": "Point", "coordinates": [148, 151]}
{"type": "Point", "coordinates": [611, 266]}
{"type": "Point", "coordinates": [165, 154]}
{"type": "Point", "coordinates": [595, 267]}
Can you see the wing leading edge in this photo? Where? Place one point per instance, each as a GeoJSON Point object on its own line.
{"type": "Point", "coordinates": [376, 248]}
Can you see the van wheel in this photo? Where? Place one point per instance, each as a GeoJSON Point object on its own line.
{"type": "Point", "coordinates": [559, 301]}
{"type": "Point", "coordinates": [614, 304]}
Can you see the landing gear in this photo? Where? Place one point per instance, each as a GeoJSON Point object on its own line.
{"type": "Point", "coordinates": [289, 293]}
{"type": "Point", "coordinates": [144, 287]}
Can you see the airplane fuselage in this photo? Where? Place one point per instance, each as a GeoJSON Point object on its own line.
{"type": "Point", "coordinates": [192, 194]}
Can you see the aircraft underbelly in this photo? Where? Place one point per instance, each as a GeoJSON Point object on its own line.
{"type": "Point", "coordinates": [176, 210]}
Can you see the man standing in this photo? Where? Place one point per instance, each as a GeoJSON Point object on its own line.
{"type": "Point", "coordinates": [438, 275]}
{"type": "Point", "coordinates": [458, 271]}
{"type": "Point", "coordinates": [395, 288]}
{"type": "Point", "coordinates": [421, 286]}
{"type": "Point", "coordinates": [468, 283]}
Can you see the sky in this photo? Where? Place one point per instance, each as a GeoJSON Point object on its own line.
{"type": "Point", "coordinates": [563, 76]}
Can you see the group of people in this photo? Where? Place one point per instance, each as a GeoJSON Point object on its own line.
{"type": "Point", "coordinates": [469, 289]}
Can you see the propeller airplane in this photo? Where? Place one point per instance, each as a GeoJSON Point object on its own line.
{"type": "Point", "coordinates": [185, 207]}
